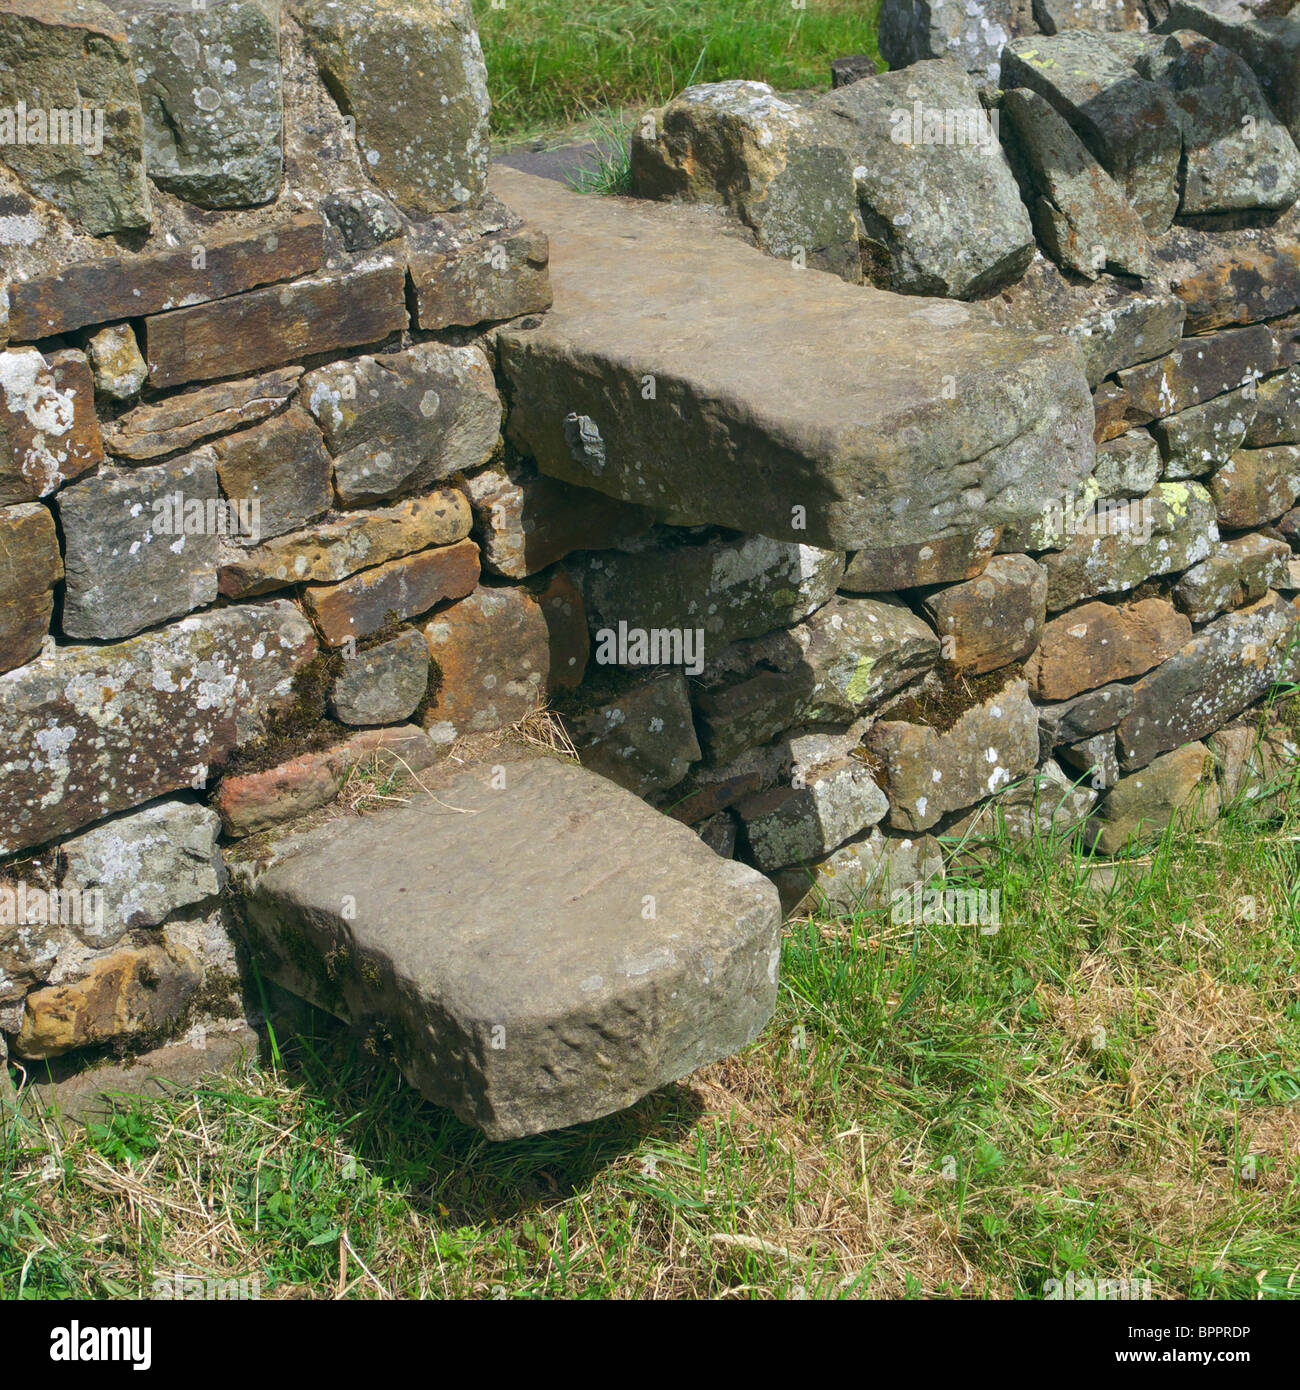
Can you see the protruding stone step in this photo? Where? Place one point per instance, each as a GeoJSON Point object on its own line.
{"type": "Point", "coordinates": [542, 947]}
{"type": "Point", "coordinates": [685, 371]}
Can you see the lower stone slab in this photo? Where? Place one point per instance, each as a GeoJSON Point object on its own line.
{"type": "Point", "coordinates": [541, 946]}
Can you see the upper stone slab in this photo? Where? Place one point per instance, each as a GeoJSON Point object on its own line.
{"type": "Point", "coordinates": [686, 371]}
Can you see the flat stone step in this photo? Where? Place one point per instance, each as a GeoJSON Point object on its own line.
{"type": "Point", "coordinates": [683, 369]}
{"type": "Point", "coordinates": [541, 946]}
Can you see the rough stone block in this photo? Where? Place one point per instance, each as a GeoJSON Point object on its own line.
{"type": "Point", "coordinates": [280, 468]}
{"type": "Point", "coordinates": [1098, 643]}
{"type": "Point", "coordinates": [30, 567]}
{"type": "Point", "coordinates": [993, 620]}
{"type": "Point", "coordinates": [49, 433]}
{"type": "Point", "coordinates": [383, 684]}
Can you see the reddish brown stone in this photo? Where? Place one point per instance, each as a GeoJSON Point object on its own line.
{"type": "Point", "coordinates": [992, 620]}
{"type": "Point", "coordinates": [1197, 370]}
{"type": "Point", "coordinates": [403, 588]}
{"type": "Point", "coordinates": [1256, 486]}
{"type": "Point", "coordinates": [1099, 642]}
{"type": "Point", "coordinates": [350, 307]}
{"type": "Point", "coordinates": [124, 287]}
{"type": "Point", "coordinates": [501, 652]}
{"type": "Point", "coordinates": [1110, 402]}
{"type": "Point", "coordinates": [253, 801]}
{"type": "Point", "coordinates": [1242, 284]}
{"type": "Point", "coordinates": [495, 277]}
{"type": "Point", "coordinates": [30, 566]}
{"type": "Point", "coordinates": [49, 433]}
{"type": "Point", "coordinates": [149, 431]}
{"type": "Point", "coordinates": [930, 562]}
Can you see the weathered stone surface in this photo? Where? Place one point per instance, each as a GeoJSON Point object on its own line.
{"type": "Point", "coordinates": [843, 661]}
{"type": "Point", "coordinates": [596, 999]}
{"type": "Point", "coordinates": [1277, 416]}
{"type": "Point", "coordinates": [335, 549]}
{"type": "Point", "coordinates": [1110, 323]}
{"type": "Point", "coordinates": [1238, 572]}
{"type": "Point", "coordinates": [365, 219]}
{"type": "Point", "coordinates": [28, 951]}
{"type": "Point", "coordinates": [399, 422]}
{"type": "Point", "coordinates": [30, 567]}
{"type": "Point", "coordinates": [210, 86]}
{"type": "Point", "coordinates": [1201, 368]}
{"type": "Point", "coordinates": [1081, 215]}
{"type": "Point", "coordinates": [147, 864]}
{"type": "Point", "coordinates": [94, 730]}
{"type": "Point", "coordinates": [149, 431]}
{"type": "Point", "coordinates": [501, 652]}
{"type": "Point", "coordinates": [929, 562]}
{"type": "Point", "coordinates": [928, 772]}
{"type": "Point", "coordinates": [861, 874]}
{"type": "Point", "coordinates": [1093, 758]}
{"type": "Point", "coordinates": [739, 144]}
{"type": "Point", "coordinates": [1170, 529]}
{"type": "Point", "coordinates": [968, 232]}
{"type": "Point", "coordinates": [461, 278]}
{"type": "Point", "coordinates": [993, 620]}
{"type": "Point", "coordinates": [383, 684]}
{"type": "Point", "coordinates": [401, 588]}
{"type": "Point", "coordinates": [524, 522]}
{"type": "Point", "coordinates": [1056, 16]}
{"type": "Point", "coordinates": [130, 557]}
{"type": "Point", "coordinates": [711, 788]}
{"type": "Point", "coordinates": [280, 466]}
{"type": "Point", "coordinates": [269, 327]}
{"type": "Point", "coordinates": [49, 433]}
{"type": "Point", "coordinates": [852, 67]}
{"type": "Point", "coordinates": [803, 442]}
{"type": "Point", "coordinates": [115, 362]}
{"type": "Point", "coordinates": [1195, 442]}
{"type": "Point", "coordinates": [128, 993]}
{"type": "Point", "coordinates": [802, 824]}
{"type": "Point", "coordinates": [1229, 278]}
{"type": "Point", "coordinates": [1236, 154]}
{"type": "Point", "coordinates": [1176, 788]}
{"type": "Point", "coordinates": [1046, 805]}
{"type": "Point", "coordinates": [1255, 762]}
{"type": "Point", "coordinates": [729, 590]}
{"type": "Point", "coordinates": [1128, 466]}
{"type": "Point", "coordinates": [1286, 337]}
{"type": "Point", "coordinates": [643, 739]}
{"type": "Point", "coordinates": [972, 35]}
{"type": "Point", "coordinates": [1128, 122]}
{"type": "Point", "coordinates": [1110, 404]}
{"type": "Point", "coordinates": [1256, 486]}
{"type": "Point", "coordinates": [123, 287]}
{"type": "Point", "coordinates": [1101, 642]}
{"type": "Point", "coordinates": [1082, 716]}
{"type": "Point", "coordinates": [251, 802]}
{"type": "Point", "coordinates": [411, 74]}
{"type": "Point", "coordinates": [1225, 667]}
{"type": "Point", "coordinates": [71, 56]}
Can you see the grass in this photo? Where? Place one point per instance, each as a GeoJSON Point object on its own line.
{"type": "Point", "coordinates": [1108, 1085]}
{"type": "Point", "coordinates": [552, 63]}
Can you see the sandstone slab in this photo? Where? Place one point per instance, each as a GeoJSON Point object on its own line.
{"type": "Point", "coordinates": [1197, 370]}
{"type": "Point", "coordinates": [820, 406]}
{"type": "Point", "coordinates": [1198, 440]}
{"type": "Point", "coordinates": [463, 276]}
{"type": "Point", "coordinates": [614, 953]}
{"type": "Point", "coordinates": [1256, 486]}
{"type": "Point", "coordinates": [802, 824]}
{"type": "Point", "coordinates": [1098, 643]}
{"type": "Point", "coordinates": [1277, 414]}
{"type": "Point", "coordinates": [993, 620]}
{"type": "Point", "coordinates": [279, 469]}
{"type": "Point", "coordinates": [928, 562]}
{"type": "Point", "coordinates": [643, 739]}
{"type": "Point", "coordinates": [1239, 571]}
{"type": "Point", "coordinates": [30, 567]}
{"type": "Point", "coordinates": [1082, 716]}
{"type": "Point", "coordinates": [1178, 788]}
{"type": "Point", "coordinates": [49, 433]}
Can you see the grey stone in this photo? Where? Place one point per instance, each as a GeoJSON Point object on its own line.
{"type": "Point", "coordinates": [719, 833]}
{"type": "Point", "coordinates": [94, 730]}
{"type": "Point", "coordinates": [411, 74]}
{"type": "Point", "coordinates": [140, 549]}
{"type": "Point", "coordinates": [1056, 16]}
{"type": "Point", "coordinates": [1277, 414]}
{"type": "Point", "coordinates": [971, 34]}
{"type": "Point", "coordinates": [211, 91]}
{"type": "Point", "coordinates": [1223, 669]}
{"type": "Point", "coordinates": [862, 874]}
{"type": "Point", "coordinates": [1197, 370]}
{"type": "Point", "coordinates": [1175, 529]}
{"type": "Point", "coordinates": [147, 864]}
{"type": "Point", "coordinates": [383, 684]}
{"type": "Point", "coordinates": [1128, 466]}
{"type": "Point", "coordinates": [1239, 571]}
{"type": "Point", "coordinates": [1081, 215]}
{"type": "Point", "coordinates": [1094, 758]}
{"type": "Point", "coordinates": [728, 590]}
{"type": "Point", "coordinates": [1178, 788]}
{"type": "Point", "coordinates": [1071, 721]}
{"type": "Point", "coordinates": [365, 219]}
{"type": "Point", "coordinates": [49, 433]}
{"type": "Point", "coordinates": [928, 772]}
{"type": "Point", "coordinates": [643, 739]}
{"type": "Point", "coordinates": [398, 422]}
{"type": "Point", "coordinates": [279, 471]}
{"type": "Point", "coordinates": [802, 824]}
{"type": "Point", "coordinates": [72, 55]}
{"type": "Point", "coordinates": [834, 431]}
{"type": "Point", "coordinates": [846, 659]}
{"type": "Point", "coordinates": [939, 204]}
{"type": "Point", "coordinates": [30, 567]}
{"type": "Point", "coordinates": [1202, 438]}
{"type": "Point", "coordinates": [852, 68]}
{"type": "Point", "coordinates": [928, 562]}
{"type": "Point", "coordinates": [1128, 122]}
{"type": "Point", "coordinates": [1044, 805]}
{"type": "Point", "coordinates": [740, 144]}
{"type": "Point", "coordinates": [1256, 486]}
{"type": "Point", "coordinates": [611, 953]}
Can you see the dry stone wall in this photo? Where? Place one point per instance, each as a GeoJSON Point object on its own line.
{"type": "Point", "coordinates": [302, 491]}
